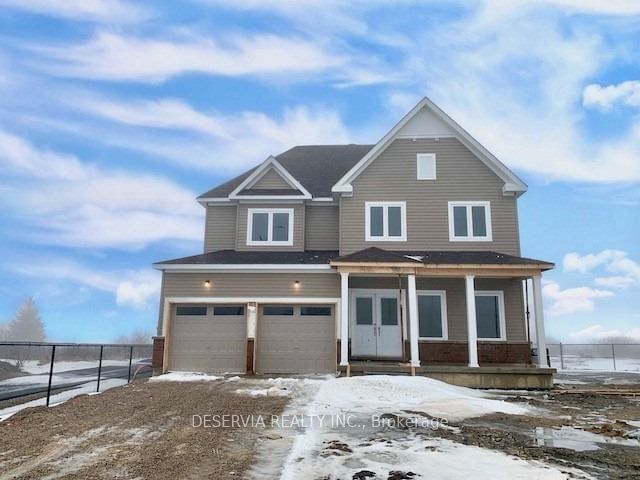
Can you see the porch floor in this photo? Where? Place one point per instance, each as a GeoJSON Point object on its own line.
{"type": "Point", "coordinates": [488, 376]}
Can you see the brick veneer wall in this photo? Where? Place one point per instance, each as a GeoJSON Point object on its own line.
{"type": "Point", "coordinates": [458, 353]}
{"type": "Point", "coordinates": [157, 357]}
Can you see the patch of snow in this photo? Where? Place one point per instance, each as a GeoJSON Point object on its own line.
{"type": "Point", "coordinates": [234, 379]}
{"type": "Point", "coordinates": [35, 367]}
{"type": "Point", "coordinates": [62, 397]}
{"type": "Point", "coordinates": [185, 377]}
{"type": "Point", "coordinates": [380, 393]}
{"type": "Point", "coordinates": [576, 439]}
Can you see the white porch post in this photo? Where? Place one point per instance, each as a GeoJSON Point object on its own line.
{"type": "Point", "coordinates": [472, 329]}
{"type": "Point", "coordinates": [413, 320]}
{"type": "Point", "coordinates": [539, 314]}
{"type": "Point", "coordinates": [344, 319]}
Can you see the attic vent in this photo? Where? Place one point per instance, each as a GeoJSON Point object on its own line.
{"type": "Point", "coordinates": [426, 166]}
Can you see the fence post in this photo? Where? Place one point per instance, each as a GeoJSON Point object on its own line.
{"type": "Point", "coordinates": [613, 355]}
{"type": "Point", "coordinates": [53, 357]}
{"type": "Point", "coordinates": [130, 358]}
{"type": "Point", "coordinates": [99, 368]}
{"type": "Point", "coordinates": [561, 358]}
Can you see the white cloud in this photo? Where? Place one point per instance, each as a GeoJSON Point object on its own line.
{"type": "Point", "coordinates": [571, 300]}
{"type": "Point", "coordinates": [88, 206]}
{"type": "Point", "coordinates": [625, 271]}
{"type": "Point", "coordinates": [111, 56]}
{"type": "Point", "coordinates": [604, 98]}
{"type": "Point", "coordinates": [598, 332]}
{"type": "Point", "coordinates": [131, 288]}
{"type": "Point", "coordinates": [84, 10]}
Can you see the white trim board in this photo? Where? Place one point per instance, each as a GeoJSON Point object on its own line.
{"type": "Point", "coordinates": [270, 162]}
{"type": "Point", "coordinates": [513, 184]}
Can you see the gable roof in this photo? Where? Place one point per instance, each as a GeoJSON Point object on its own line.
{"type": "Point", "coordinates": [513, 184]}
{"type": "Point", "coordinates": [315, 167]}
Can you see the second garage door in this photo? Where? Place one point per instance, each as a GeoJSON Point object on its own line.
{"type": "Point", "coordinates": [296, 339]}
{"type": "Point", "coordinates": [208, 338]}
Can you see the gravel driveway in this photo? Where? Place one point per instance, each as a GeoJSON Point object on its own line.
{"type": "Point", "coordinates": [142, 430]}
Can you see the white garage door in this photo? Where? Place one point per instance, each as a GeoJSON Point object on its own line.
{"type": "Point", "coordinates": [208, 338]}
{"type": "Point", "coordinates": [296, 339]}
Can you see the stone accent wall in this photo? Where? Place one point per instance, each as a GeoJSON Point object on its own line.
{"type": "Point", "coordinates": [157, 357]}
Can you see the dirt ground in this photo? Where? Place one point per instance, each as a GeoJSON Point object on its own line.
{"type": "Point", "coordinates": [595, 404]}
{"type": "Point", "coordinates": [141, 431]}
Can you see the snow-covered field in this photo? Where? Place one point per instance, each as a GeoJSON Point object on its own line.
{"type": "Point", "coordinates": [603, 364]}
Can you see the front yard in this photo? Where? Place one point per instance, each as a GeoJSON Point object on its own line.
{"type": "Point", "coordinates": [373, 427]}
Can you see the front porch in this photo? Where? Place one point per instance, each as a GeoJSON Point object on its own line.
{"type": "Point", "coordinates": [409, 313]}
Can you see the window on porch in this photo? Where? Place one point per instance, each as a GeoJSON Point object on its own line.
{"type": "Point", "coordinates": [490, 315]}
{"type": "Point", "coordinates": [432, 315]}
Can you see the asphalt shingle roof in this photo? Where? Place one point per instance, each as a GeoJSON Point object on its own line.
{"type": "Point", "coordinates": [232, 257]}
{"type": "Point", "coordinates": [316, 167]}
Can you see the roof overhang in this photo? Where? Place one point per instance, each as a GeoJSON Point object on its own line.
{"type": "Point", "coordinates": [244, 268]}
{"type": "Point", "coordinates": [513, 185]}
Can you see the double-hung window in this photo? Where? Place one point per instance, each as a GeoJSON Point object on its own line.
{"type": "Point", "coordinates": [490, 317]}
{"type": "Point", "coordinates": [432, 315]}
{"type": "Point", "coordinates": [470, 222]}
{"type": "Point", "coordinates": [272, 226]}
{"type": "Point", "coordinates": [385, 221]}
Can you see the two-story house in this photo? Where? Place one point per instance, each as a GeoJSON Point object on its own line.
{"type": "Point", "coordinates": [398, 256]}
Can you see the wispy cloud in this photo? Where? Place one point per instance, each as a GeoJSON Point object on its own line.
{"type": "Point", "coordinates": [622, 271]}
{"type": "Point", "coordinates": [71, 203]}
{"type": "Point", "coordinates": [112, 11]}
{"type": "Point", "coordinates": [111, 56]}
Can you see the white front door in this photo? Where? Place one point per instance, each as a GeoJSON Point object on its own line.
{"type": "Point", "coordinates": [376, 325]}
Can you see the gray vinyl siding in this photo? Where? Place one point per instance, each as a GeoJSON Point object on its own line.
{"type": "Point", "coordinates": [456, 300]}
{"type": "Point", "coordinates": [460, 176]}
{"type": "Point", "coordinates": [321, 228]}
{"type": "Point", "coordinates": [220, 228]}
{"type": "Point", "coordinates": [271, 179]}
{"type": "Point", "coordinates": [298, 227]}
{"type": "Point", "coordinates": [247, 285]}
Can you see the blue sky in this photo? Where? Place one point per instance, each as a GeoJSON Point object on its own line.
{"type": "Point", "coordinates": [114, 115]}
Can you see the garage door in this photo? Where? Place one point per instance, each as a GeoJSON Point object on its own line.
{"type": "Point", "coordinates": [208, 338]}
{"type": "Point", "coordinates": [296, 339]}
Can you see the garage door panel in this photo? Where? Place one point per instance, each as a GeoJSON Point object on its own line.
{"type": "Point", "coordinates": [296, 343]}
{"type": "Point", "coordinates": [208, 343]}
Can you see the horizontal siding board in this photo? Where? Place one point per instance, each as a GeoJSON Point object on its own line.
{"type": "Point", "coordinates": [298, 227]}
{"type": "Point", "coordinates": [271, 179]}
{"type": "Point", "coordinates": [321, 228]}
{"type": "Point", "coordinates": [220, 228]}
{"type": "Point", "coordinates": [460, 176]}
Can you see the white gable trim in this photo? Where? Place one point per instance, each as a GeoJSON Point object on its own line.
{"type": "Point", "coordinates": [270, 162]}
{"type": "Point", "coordinates": [513, 184]}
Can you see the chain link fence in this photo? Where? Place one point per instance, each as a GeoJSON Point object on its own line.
{"type": "Point", "coordinates": [623, 357]}
{"type": "Point", "coordinates": [47, 373]}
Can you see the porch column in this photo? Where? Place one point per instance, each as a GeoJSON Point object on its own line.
{"type": "Point", "coordinates": [344, 319]}
{"type": "Point", "coordinates": [538, 308]}
{"type": "Point", "coordinates": [472, 328]}
{"type": "Point", "coordinates": [413, 320]}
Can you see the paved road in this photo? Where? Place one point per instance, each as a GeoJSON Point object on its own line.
{"type": "Point", "coordinates": [70, 379]}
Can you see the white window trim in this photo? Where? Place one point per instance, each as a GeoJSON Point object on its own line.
{"type": "Point", "coordinates": [385, 223]}
{"type": "Point", "coordinates": [420, 156]}
{"type": "Point", "coordinates": [269, 241]}
{"type": "Point", "coordinates": [470, 238]}
{"type": "Point", "coordinates": [501, 313]}
{"type": "Point", "coordinates": [443, 311]}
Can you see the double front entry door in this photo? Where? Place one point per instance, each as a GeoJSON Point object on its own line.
{"type": "Point", "coordinates": [376, 324]}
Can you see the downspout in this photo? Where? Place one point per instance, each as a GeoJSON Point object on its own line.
{"type": "Point", "coordinates": [527, 314]}
{"type": "Point", "coordinates": [404, 344]}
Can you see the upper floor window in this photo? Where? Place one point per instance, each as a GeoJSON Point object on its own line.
{"type": "Point", "coordinates": [270, 226]}
{"type": "Point", "coordinates": [385, 221]}
{"type": "Point", "coordinates": [469, 221]}
{"type": "Point", "coordinates": [426, 166]}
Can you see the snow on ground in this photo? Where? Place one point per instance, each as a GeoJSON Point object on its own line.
{"type": "Point", "coordinates": [373, 393]}
{"type": "Point", "coordinates": [185, 377]}
{"type": "Point", "coordinates": [602, 364]}
{"type": "Point", "coordinates": [58, 398]}
{"type": "Point", "coordinates": [35, 367]}
{"type": "Point", "coordinates": [326, 447]}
